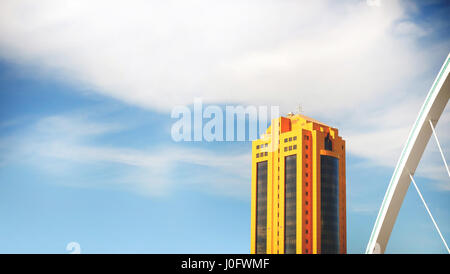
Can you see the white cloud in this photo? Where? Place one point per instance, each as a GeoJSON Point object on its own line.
{"type": "Point", "coordinates": [346, 62]}
{"type": "Point", "coordinates": [157, 54]}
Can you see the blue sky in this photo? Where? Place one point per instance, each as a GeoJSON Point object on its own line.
{"type": "Point", "coordinates": [86, 153]}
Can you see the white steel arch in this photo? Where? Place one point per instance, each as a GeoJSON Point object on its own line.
{"type": "Point", "coordinates": [418, 138]}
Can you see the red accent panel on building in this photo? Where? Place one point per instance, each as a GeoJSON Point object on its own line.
{"type": "Point", "coordinates": [285, 124]}
{"type": "Point", "coordinates": [307, 188]}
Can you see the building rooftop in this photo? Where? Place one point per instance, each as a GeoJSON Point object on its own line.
{"type": "Point", "coordinates": [308, 119]}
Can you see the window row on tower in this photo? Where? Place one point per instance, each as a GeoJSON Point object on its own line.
{"type": "Point", "coordinates": [261, 154]}
{"type": "Point", "coordinates": [289, 148]}
{"type": "Point", "coordinates": [262, 146]}
{"type": "Point", "coordinates": [290, 139]}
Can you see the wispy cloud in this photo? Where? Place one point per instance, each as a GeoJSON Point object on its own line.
{"type": "Point", "coordinates": [64, 147]}
{"type": "Point", "coordinates": [364, 208]}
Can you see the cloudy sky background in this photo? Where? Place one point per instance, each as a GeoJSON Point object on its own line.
{"type": "Point", "coordinates": [86, 91]}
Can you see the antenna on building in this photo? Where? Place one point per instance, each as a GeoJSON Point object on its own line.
{"type": "Point", "coordinates": [299, 109]}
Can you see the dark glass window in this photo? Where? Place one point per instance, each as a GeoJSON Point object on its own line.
{"type": "Point", "coordinates": [329, 196]}
{"type": "Point", "coordinates": [328, 143]}
{"type": "Point", "coordinates": [261, 207]}
{"type": "Point", "coordinates": [290, 220]}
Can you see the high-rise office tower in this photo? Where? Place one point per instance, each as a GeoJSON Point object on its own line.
{"type": "Point", "coordinates": [298, 188]}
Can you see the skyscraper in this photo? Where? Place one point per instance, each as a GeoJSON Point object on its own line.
{"type": "Point", "coordinates": [298, 188]}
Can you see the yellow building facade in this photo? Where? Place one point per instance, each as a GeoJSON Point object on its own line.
{"type": "Point", "coordinates": [298, 192]}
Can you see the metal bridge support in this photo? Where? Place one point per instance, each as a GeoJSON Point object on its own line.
{"type": "Point", "coordinates": [418, 138]}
